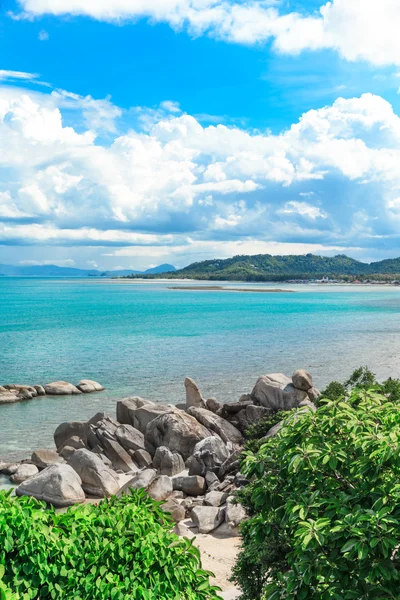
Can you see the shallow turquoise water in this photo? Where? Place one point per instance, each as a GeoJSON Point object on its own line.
{"type": "Point", "coordinates": [143, 339]}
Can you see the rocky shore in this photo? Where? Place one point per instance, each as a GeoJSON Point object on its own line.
{"type": "Point", "coordinates": [186, 455]}
{"type": "Point", "coordinates": [11, 393]}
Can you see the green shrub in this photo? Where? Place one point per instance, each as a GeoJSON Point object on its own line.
{"type": "Point", "coordinates": [254, 433]}
{"type": "Point", "coordinates": [334, 391]}
{"type": "Point", "coordinates": [325, 505]}
{"type": "Point", "coordinates": [121, 549]}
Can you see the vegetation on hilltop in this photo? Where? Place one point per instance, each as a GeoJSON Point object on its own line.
{"type": "Point", "coordinates": [265, 267]}
{"type": "Point", "coordinates": [324, 499]}
{"type": "Point", "coordinates": [121, 549]}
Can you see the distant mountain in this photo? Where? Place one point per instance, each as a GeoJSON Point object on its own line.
{"type": "Point", "coordinates": [55, 271]}
{"type": "Point", "coordinates": [265, 267]}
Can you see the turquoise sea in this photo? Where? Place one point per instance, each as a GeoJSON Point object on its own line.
{"type": "Point", "coordinates": [143, 339]}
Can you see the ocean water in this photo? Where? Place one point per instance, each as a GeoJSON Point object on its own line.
{"type": "Point", "coordinates": [144, 339]}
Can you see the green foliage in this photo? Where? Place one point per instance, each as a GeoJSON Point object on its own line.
{"type": "Point", "coordinates": [265, 267]}
{"type": "Point", "coordinates": [325, 505]}
{"type": "Point", "coordinates": [121, 549]}
{"type": "Point", "coordinates": [361, 378]}
{"type": "Point", "coordinates": [334, 391]}
{"type": "Point", "coordinates": [254, 433]}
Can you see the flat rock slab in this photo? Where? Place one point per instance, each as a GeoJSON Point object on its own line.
{"type": "Point", "coordinates": [87, 386]}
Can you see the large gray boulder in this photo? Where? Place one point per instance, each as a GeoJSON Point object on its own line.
{"type": "Point", "coordinates": [177, 431]}
{"type": "Point", "coordinates": [119, 457]}
{"type": "Point", "coordinates": [73, 442]}
{"type": "Point", "coordinates": [173, 508]}
{"type": "Point", "coordinates": [226, 431]}
{"type": "Point", "coordinates": [167, 462]}
{"type": "Point", "coordinates": [87, 386]}
{"type": "Point", "coordinates": [58, 485]}
{"type": "Point", "coordinates": [127, 407]}
{"type": "Point", "coordinates": [61, 388]}
{"type": "Point", "coordinates": [215, 499]}
{"type": "Point", "coordinates": [139, 481]}
{"type": "Point", "coordinates": [74, 428]}
{"type": "Point", "coordinates": [302, 380]}
{"type": "Point", "coordinates": [190, 485]}
{"type": "Point", "coordinates": [129, 437]}
{"type": "Point", "coordinates": [97, 479]}
{"type": "Point", "coordinates": [314, 395]}
{"type": "Point", "coordinates": [46, 458]}
{"type": "Point", "coordinates": [193, 395]}
{"type": "Point", "coordinates": [24, 472]}
{"type": "Point", "coordinates": [207, 518]}
{"type": "Point", "coordinates": [277, 392]}
{"type": "Point", "coordinates": [208, 455]}
{"type": "Point", "coordinates": [160, 488]}
{"type": "Point", "coordinates": [235, 513]}
{"type": "Point", "coordinates": [142, 458]}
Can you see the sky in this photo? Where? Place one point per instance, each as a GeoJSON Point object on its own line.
{"type": "Point", "coordinates": [139, 132]}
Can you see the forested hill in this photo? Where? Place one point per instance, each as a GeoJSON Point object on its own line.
{"type": "Point", "coordinates": [265, 267]}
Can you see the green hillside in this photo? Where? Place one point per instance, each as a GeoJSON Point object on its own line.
{"type": "Point", "coordinates": [265, 267]}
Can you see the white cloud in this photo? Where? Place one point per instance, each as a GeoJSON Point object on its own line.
{"type": "Point", "coordinates": [17, 75]}
{"type": "Point", "coordinates": [60, 263]}
{"type": "Point", "coordinates": [43, 35]}
{"type": "Point", "coordinates": [177, 180]}
{"type": "Point", "coordinates": [303, 209]}
{"type": "Point", "coordinates": [356, 29]}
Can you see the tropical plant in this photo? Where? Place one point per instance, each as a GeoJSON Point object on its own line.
{"type": "Point", "coordinates": [121, 549]}
{"type": "Point", "coordinates": [325, 505]}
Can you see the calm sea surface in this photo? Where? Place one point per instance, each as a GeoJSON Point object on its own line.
{"type": "Point", "coordinates": [143, 339]}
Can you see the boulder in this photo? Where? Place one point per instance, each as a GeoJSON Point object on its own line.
{"type": "Point", "coordinates": [235, 513]}
{"type": "Point", "coordinates": [8, 397]}
{"type": "Point", "coordinates": [277, 392]}
{"type": "Point", "coordinates": [314, 395]}
{"type": "Point", "coordinates": [40, 390]}
{"type": "Point", "coordinates": [87, 386]}
{"type": "Point", "coordinates": [141, 480]}
{"type": "Point", "coordinates": [176, 511]}
{"type": "Point", "coordinates": [66, 452]}
{"type": "Point", "coordinates": [213, 405]}
{"type": "Point", "coordinates": [226, 431]}
{"type": "Point", "coordinates": [119, 457]}
{"type": "Point", "coordinates": [302, 380]}
{"type": "Point", "coordinates": [215, 499]}
{"type": "Point", "coordinates": [58, 485]}
{"type": "Point", "coordinates": [252, 414]}
{"type": "Point", "coordinates": [10, 469]}
{"type": "Point", "coordinates": [190, 485]}
{"type": "Point", "coordinates": [74, 428]}
{"type": "Point", "coordinates": [129, 437]}
{"type": "Point", "coordinates": [24, 472]}
{"type": "Point", "coordinates": [46, 458]}
{"type": "Point", "coordinates": [73, 442]}
{"type": "Point", "coordinates": [193, 395]}
{"type": "Point", "coordinates": [211, 479]}
{"type": "Point", "coordinates": [177, 431]}
{"type": "Point", "coordinates": [160, 488]}
{"type": "Point", "coordinates": [235, 407]}
{"type": "Point", "coordinates": [207, 518]}
{"type": "Point", "coordinates": [127, 407]}
{"type": "Point", "coordinates": [142, 458]}
{"type": "Point", "coordinates": [97, 479]}
{"type": "Point", "coordinates": [61, 388]}
{"type": "Point", "coordinates": [208, 455]}
{"type": "Point", "coordinates": [167, 462]}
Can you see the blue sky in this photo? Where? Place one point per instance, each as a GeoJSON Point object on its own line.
{"type": "Point", "coordinates": [137, 132]}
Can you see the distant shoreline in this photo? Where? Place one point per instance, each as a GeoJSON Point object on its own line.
{"type": "Point", "coordinates": [218, 288]}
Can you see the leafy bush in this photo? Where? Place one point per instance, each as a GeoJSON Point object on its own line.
{"type": "Point", "coordinates": [325, 505]}
{"type": "Point", "coordinates": [254, 433]}
{"type": "Point", "coordinates": [121, 549]}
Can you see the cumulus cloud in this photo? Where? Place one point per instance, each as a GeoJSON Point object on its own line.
{"type": "Point", "coordinates": [330, 181]}
{"type": "Point", "coordinates": [356, 29]}
{"type": "Point", "coordinates": [17, 75]}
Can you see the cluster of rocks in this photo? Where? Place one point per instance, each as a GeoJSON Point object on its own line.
{"type": "Point", "coordinates": [12, 392]}
{"type": "Point", "coordinates": [187, 455]}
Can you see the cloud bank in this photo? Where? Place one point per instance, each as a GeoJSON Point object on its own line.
{"type": "Point", "coordinates": [175, 187]}
{"type": "Point", "coordinates": [356, 29]}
